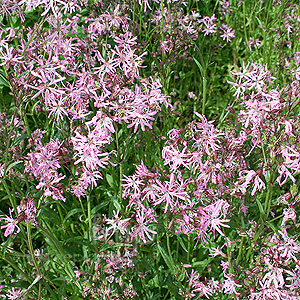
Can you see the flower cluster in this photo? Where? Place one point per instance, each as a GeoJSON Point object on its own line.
{"type": "Point", "coordinates": [26, 212]}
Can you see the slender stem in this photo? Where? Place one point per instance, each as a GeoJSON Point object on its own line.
{"type": "Point", "coordinates": [190, 247]}
{"type": "Point", "coordinates": [31, 250]}
{"type": "Point", "coordinates": [27, 125]}
{"type": "Point", "coordinates": [40, 289]}
{"type": "Point", "coordinates": [61, 252]}
{"type": "Point", "coordinates": [166, 295]}
{"type": "Point", "coordinates": [83, 210]}
{"type": "Point", "coordinates": [89, 217]}
{"type": "Point", "coordinates": [15, 266]}
{"type": "Point", "coordinates": [11, 199]}
{"type": "Point", "coordinates": [169, 249]}
{"type": "Point", "coordinates": [55, 242]}
{"type": "Point", "coordinates": [268, 200]}
{"type": "Point", "coordinates": [120, 182]}
{"type": "Point", "coordinates": [204, 94]}
{"type": "Point", "coordinates": [242, 242]}
{"type": "Point", "coordinates": [240, 251]}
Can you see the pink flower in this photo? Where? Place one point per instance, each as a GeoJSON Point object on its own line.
{"type": "Point", "coordinates": [174, 157]}
{"type": "Point", "coordinates": [15, 293]}
{"type": "Point", "coordinates": [228, 33]}
{"type": "Point", "coordinates": [117, 223]}
{"type": "Point", "coordinates": [288, 214]}
{"type": "Point", "coordinates": [274, 276]}
{"type": "Point", "coordinates": [170, 192]}
{"type": "Point", "coordinates": [141, 230]}
{"type": "Point", "coordinates": [11, 224]}
{"type": "Point", "coordinates": [209, 25]}
{"type": "Point", "coordinates": [250, 175]}
{"type": "Point", "coordinates": [284, 172]}
{"type": "Point", "coordinates": [216, 213]}
{"type": "Point", "coordinates": [192, 95]}
{"type": "Point", "coordinates": [216, 251]}
{"type": "Point", "coordinates": [229, 286]}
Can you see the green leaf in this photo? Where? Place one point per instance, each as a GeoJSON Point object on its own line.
{"type": "Point", "coordinates": [261, 210]}
{"type": "Point", "coordinates": [50, 214]}
{"type": "Point", "coordinates": [115, 201]}
{"type": "Point", "coordinates": [272, 226]}
{"type": "Point", "coordinates": [199, 66]}
{"type": "Point", "coordinates": [19, 139]}
{"type": "Point", "coordinates": [202, 263]}
{"type": "Point", "coordinates": [72, 212]}
{"type": "Point", "coordinates": [99, 206]}
{"type": "Point", "coordinates": [12, 165]}
{"type": "Point", "coordinates": [63, 289]}
{"type": "Point", "coordinates": [167, 259]}
{"type": "Point", "coordinates": [174, 290]}
{"type": "Point", "coordinates": [4, 80]}
{"type": "Point", "coordinates": [110, 180]}
{"type": "Point", "coordinates": [78, 240]}
{"type": "Point", "coordinates": [182, 244]}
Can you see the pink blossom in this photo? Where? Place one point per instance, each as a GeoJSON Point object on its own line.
{"type": "Point", "coordinates": [11, 224]}
{"type": "Point", "coordinates": [228, 33]}
{"type": "Point", "coordinates": [141, 228]}
{"type": "Point", "coordinates": [117, 223]}
{"type": "Point", "coordinates": [170, 192]}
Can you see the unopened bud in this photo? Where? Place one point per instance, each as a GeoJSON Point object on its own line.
{"type": "Point", "coordinates": [96, 267]}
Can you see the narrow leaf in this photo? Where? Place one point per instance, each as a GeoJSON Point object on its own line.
{"type": "Point", "coordinates": [12, 165]}
{"type": "Point", "coordinates": [167, 259]}
{"type": "Point", "coordinates": [199, 65]}
{"type": "Point", "coordinates": [4, 80]}
{"type": "Point", "coordinates": [261, 210]}
{"type": "Point", "coordinates": [110, 180]}
{"type": "Point", "coordinates": [182, 244]}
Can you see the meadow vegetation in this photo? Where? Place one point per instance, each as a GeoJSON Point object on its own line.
{"type": "Point", "coordinates": [150, 149]}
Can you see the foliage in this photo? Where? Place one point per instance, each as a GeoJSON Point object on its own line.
{"type": "Point", "coordinates": [150, 149]}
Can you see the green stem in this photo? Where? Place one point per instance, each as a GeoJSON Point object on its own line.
{"type": "Point", "coordinates": [166, 295]}
{"type": "Point", "coordinates": [31, 250]}
{"type": "Point", "coordinates": [55, 242]}
{"type": "Point", "coordinates": [90, 217]}
{"type": "Point", "coordinates": [27, 125]}
{"type": "Point", "coordinates": [120, 181]}
{"type": "Point", "coordinates": [169, 249]}
{"type": "Point", "coordinates": [11, 199]}
{"type": "Point", "coordinates": [268, 201]}
{"type": "Point", "coordinates": [242, 242]}
{"type": "Point", "coordinates": [83, 210]}
{"type": "Point", "coordinates": [190, 248]}
{"type": "Point", "coordinates": [229, 259]}
{"type": "Point", "coordinates": [204, 94]}
{"type": "Point", "coordinates": [62, 255]}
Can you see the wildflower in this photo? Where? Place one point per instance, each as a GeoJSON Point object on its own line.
{"type": "Point", "coordinates": [216, 251]}
{"type": "Point", "coordinates": [170, 192]}
{"type": "Point", "coordinates": [228, 33]}
{"type": "Point", "coordinates": [15, 293]}
{"type": "Point", "coordinates": [192, 95]}
{"type": "Point", "coordinates": [288, 214]}
{"type": "Point", "coordinates": [274, 276]}
{"type": "Point", "coordinates": [11, 224]}
{"type": "Point", "coordinates": [229, 286]}
{"type": "Point", "coordinates": [132, 186]}
{"type": "Point", "coordinates": [252, 42]}
{"type": "Point", "coordinates": [27, 211]}
{"type": "Point", "coordinates": [117, 223]}
{"type": "Point", "coordinates": [284, 172]}
{"type": "Point", "coordinates": [174, 157]}
{"type": "Point", "coordinates": [214, 212]}
{"type": "Point", "coordinates": [141, 229]}
{"type": "Point", "coordinates": [209, 25]}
